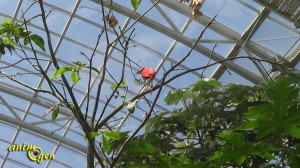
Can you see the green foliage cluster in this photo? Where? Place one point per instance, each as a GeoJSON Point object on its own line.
{"type": "Point", "coordinates": [116, 87]}
{"type": "Point", "coordinates": [111, 141]}
{"type": "Point", "coordinates": [230, 125]}
{"type": "Point", "coordinates": [11, 33]}
{"type": "Point", "coordinates": [74, 69]}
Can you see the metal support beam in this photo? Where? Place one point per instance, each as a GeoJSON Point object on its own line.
{"type": "Point", "coordinates": [41, 101]}
{"type": "Point", "coordinates": [258, 66]}
{"type": "Point", "coordinates": [165, 16]}
{"type": "Point", "coordinates": [184, 40]}
{"type": "Point", "coordinates": [245, 37]}
{"type": "Point", "coordinates": [295, 58]}
{"type": "Point", "coordinates": [14, 162]}
{"type": "Point", "coordinates": [9, 108]}
{"type": "Point", "coordinates": [217, 27]}
{"type": "Point", "coordinates": [46, 133]}
{"type": "Point", "coordinates": [50, 121]}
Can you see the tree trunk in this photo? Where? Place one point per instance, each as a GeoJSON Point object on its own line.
{"type": "Point", "coordinates": [90, 154]}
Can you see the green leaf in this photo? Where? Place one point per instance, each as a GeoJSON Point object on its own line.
{"type": "Point", "coordinates": [263, 132]}
{"type": "Point", "coordinates": [268, 165]}
{"type": "Point", "coordinates": [79, 63]}
{"type": "Point", "coordinates": [26, 41]}
{"type": "Point", "coordinates": [174, 96]}
{"type": "Point", "coordinates": [282, 94]}
{"type": "Point", "coordinates": [8, 41]}
{"type": "Point", "coordinates": [135, 4]}
{"type": "Point", "coordinates": [262, 111]}
{"type": "Point", "coordinates": [259, 116]}
{"type": "Point", "coordinates": [294, 161]}
{"type": "Point", "coordinates": [2, 51]}
{"type": "Point", "coordinates": [2, 30]}
{"type": "Point", "coordinates": [292, 130]}
{"type": "Point", "coordinates": [115, 135]}
{"type": "Point", "coordinates": [240, 159]}
{"type": "Point", "coordinates": [250, 125]}
{"type": "Point", "coordinates": [95, 69]}
{"type": "Point", "coordinates": [7, 21]}
{"type": "Point", "coordinates": [113, 86]}
{"type": "Point", "coordinates": [91, 135]}
{"type": "Point", "coordinates": [67, 68]}
{"type": "Point", "coordinates": [263, 150]}
{"type": "Point", "coordinates": [206, 85]}
{"type": "Point", "coordinates": [39, 41]}
{"type": "Point", "coordinates": [72, 106]}
{"type": "Point", "coordinates": [216, 155]}
{"type": "Point", "coordinates": [124, 82]}
{"type": "Point", "coordinates": [141, 148]}
{"type": "Point", "coordinates": [106, 144]}
{"type": "Point", "coordinates": [55, 113]}
{"type": "Point", "coordinates": [58, 72]}
{"type": "Point", "coordinates": [94, 134]}
{"type": "Point", "coordinates": [74, 76]}
{"type": "Point", "coordinates": [137, 164]}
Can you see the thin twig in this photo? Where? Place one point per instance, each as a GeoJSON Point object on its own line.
{"type": "Point", "coordinates": [157, 96]}
{"type": "Point", "coordinates": [63, 125]}
{"type": "Point", "coordinates": [90, 74]}
{"type": "Point", "coordinates": [211, 54]}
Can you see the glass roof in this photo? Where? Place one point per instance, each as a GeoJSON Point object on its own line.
{"type": "Point", "coordinates": [161, 38]}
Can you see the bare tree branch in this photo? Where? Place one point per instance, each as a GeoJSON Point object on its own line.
{"type": "Point", "coordinates": [90, 73]}
{"type": "Point", "coordinates": [24, 84]}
